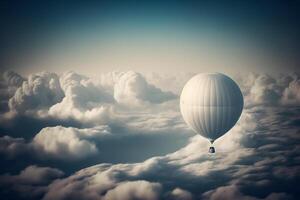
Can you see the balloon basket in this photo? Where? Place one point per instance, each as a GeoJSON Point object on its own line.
{"type": "Point", "coordinates": [211, 150]}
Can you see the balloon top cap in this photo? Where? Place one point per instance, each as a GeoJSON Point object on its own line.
{"type": "Point", "coordinates": [211, 74]}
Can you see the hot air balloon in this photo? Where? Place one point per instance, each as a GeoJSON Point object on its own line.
{"type": "Point", "coordinates": [211, 104]}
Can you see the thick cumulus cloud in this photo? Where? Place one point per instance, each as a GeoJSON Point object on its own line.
{"type": "Point", "coordinates": [133, 90]}
{"type": "Point", "coordinates": [37, 93]}
{"type": "Point", "coordinates": [69, 143]}
{"type": "Point", "coordinates": [121, 114]}
{"type": "Point", "coordinates": [9, 82]}
{"type": "Point", "coordinates": [87, 98]}
{"type": "Point", "coordinates": [83, 99]}
{"type": "Point", "coordinates": [262, 89]}
{"type": "Point", "coordinates": [13, 79]}
{"type": "Point", "coordinates": [291, 94]}
{"type": "Point", "coordinates": [76, 97]}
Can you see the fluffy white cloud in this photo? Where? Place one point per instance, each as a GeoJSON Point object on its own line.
{"type": "Point", "coordinates": [83, 100]}
{"type": "Point", "coordinates": [132, 89]}
{"type": "Point", "coordinates": [264, 90]}
{"type": "Point", "coordinates": [69, 143]}
{"type": "Point", "coordinates": [291, 94]}
{"type": "Point", "coordinates": [37, 175]}
{"type": "Point", "coordinates": [134, 190]}
{"type": "Point", "coordinates": [108, 80]}
{"type": "Point", "coordinates": [269, 90]}
{"type": "Point", "coordinates": [97, 101]}
{"type": "Point", "coordinates": [180, 194]}
{"type": "Point", "coordinates": [9, 83]}
{"type": "Point", "coordinates": [38, 92]}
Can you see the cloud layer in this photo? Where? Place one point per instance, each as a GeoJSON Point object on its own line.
{"type": "Point", "coordinates": [121, 117]}
{"type": "Point", "coordinates": [252, 166]}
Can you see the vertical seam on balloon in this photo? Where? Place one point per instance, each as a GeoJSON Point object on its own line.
{"type": "Point", "coordinates": [223, 103]}
{"type": "Point", "coordinates": [201, 106]}
{"type": "Point", "coordinates": [221, 109]}
{"type": "Point", "coordinates": [197, 117]}
{"type": "Point", "coordinates": [210, 121]}
{"type": "Point", "coordinates": [233, 103]}
{"type": "Point", "coordinates": [204, 107]}
{"type": "Point", "coordinates": [228, 113]}
{"type": "Point", "coordinates": [217, 108]}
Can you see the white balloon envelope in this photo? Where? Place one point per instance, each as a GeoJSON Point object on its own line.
{"type": "Point", "coordinates": [211, 104]}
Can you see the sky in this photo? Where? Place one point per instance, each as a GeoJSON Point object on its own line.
{"type": "Point", "coordinates": [144, 36]}
{"type": "Point", "coordinates": [90, 92]}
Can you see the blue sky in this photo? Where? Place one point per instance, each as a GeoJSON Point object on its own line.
{"type": "Point", "coordinates": [150, 36]}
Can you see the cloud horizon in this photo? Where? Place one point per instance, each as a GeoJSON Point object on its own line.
{"type": "Point", "coordinates": [121, 136]}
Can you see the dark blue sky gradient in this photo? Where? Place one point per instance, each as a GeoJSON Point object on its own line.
{"type": "Point", "coordinates": [29, 27]}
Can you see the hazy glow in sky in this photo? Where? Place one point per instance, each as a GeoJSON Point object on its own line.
{"type": "Point", "coordinates": [160, 50]}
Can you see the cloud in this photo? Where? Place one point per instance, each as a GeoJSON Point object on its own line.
{"type": "Point", "coordinates": [233, 192]}
{"type": "Point", "coordinates": [179, 167]}
{"type": "Point", "coordinates": [69, 143]}
{"type": "Point", "coordinates": [263, 89]}
{"type": "Point", "coordinates": [37, 175]}
{"type": "Point", "coordinates": [173, 82]}
{"type": "Point", "coordinates": [30, 183]}
{"type": "Point", "coordinates": [83, 100]}
{"type": "Point", "coordinates": [97, 143]}
{"type": "Point", "coordinates": [12, 146]}
{"type": "Point", "coordinates": [38, 92]}
{"type": "Point", "coordinates": [134, 190]}
{"type": "Point", "coordinates": [13, 79]}
{"type": "Point", "coordinates": [291, 94]}
{"type": "Point", "coordinates": [258, 159]}
{"type": "Point", "coordinates": [9, 82]}
{"type": "Point", "coordinates": [80, 143]}
{"type": "Point", "coordinates": [132, 89]}
{"type": "Point", "coordinates": [180, 194]}
{"type": "Point", "coordinates": [95, 100]}
{"type": "Point", "coordinates": [108, 80]}
{"type": "Point", "coordinates": [227, 193]}
{"type": "Point", "coordinates": [243, 167]}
